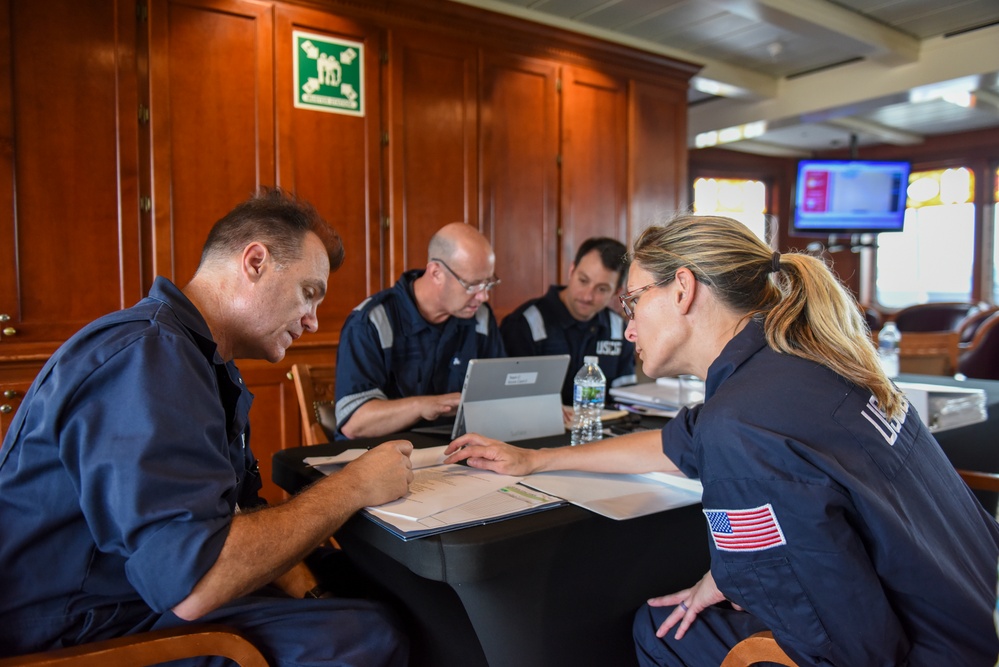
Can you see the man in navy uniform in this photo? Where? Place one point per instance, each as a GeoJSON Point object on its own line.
{"type": "Point", "coordinates": [403, 352]}
{"type": "Point", "coordinates": [576, 320]}
{"type": "Point", "coordinates": [128, 492]}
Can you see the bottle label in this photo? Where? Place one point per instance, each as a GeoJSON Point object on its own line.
{"type": "Point", "coordinates": [584, 394]}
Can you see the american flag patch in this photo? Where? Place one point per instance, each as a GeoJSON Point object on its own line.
{"type": "Point", "coordinates": [752, 529]}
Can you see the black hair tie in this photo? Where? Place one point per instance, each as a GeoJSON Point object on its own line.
{"type": "Point", "coordinates": [775, 262]}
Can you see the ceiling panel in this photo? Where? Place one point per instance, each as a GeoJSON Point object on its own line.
{"type": "Point", "coordinates": [825, 59]}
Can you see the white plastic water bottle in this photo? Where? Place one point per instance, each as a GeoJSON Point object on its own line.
{"type": "Point", "coordinates": [588, 391]}
{"type": "Point", "coordinates": [888, 342]}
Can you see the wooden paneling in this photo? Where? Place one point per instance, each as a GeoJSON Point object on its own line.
{"type": "Point", "coordinates": [211, 79]}
{"type": "Point", "coordinates": [433, 171]}
{"type": "Point", "coordinates": [594, 159]}
{"type": "Point", "coordinates": [466, 100]}
{"type": "Point", "coordinates": [67, 154]}
{"type": "Point", "coordinates": [657, 149]}
{"type": "Point", "coordinates": [519, 114]}
{"type": "Point", "coordinates": [334, 160]}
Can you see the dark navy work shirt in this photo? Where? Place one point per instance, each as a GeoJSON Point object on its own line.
{"type": "Point", "coordinates": [545, 326]}
{"type": "Point", "coordinates": [388, 351]}
{"type": "Point", "coordinates": [119, 476]}
{"type": "Point", "coordinates": [850, 535]}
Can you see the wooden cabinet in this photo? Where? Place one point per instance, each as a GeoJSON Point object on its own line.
{"type": "Point", "coordinates": [128, 127]}
{"type": "Point", "coordinates": [432, 144]}
{"type": "Point", "coordinates": [594, 158]}
{"type": "Point", "coordinates": [69, 231]}
{"type": "Point", "coordinates": [518, 154]}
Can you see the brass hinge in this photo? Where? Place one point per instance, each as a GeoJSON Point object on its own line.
{"type": "Point", "coordinates": [385, 222]}
{"type": "Point", "coordinates": [145, 204]}
{"type": "Point", "coordinates": [385, 138]}
{"type": "Point", "coordinates": [558, 160]}
{"type": "Point", "coordinates": [141, 11]}
{"type": "Point", "coordinates": [143, 114]}
{"type": "Point", "coordinates": [383, 57]}
{"type": "Point", "coordinates": [558, 85]}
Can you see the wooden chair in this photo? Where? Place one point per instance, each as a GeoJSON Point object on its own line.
{"type": "Point", "coordinates": [929, 352]}
{"type": "Point", "coordinates": [761, 647]}
{"type": "Point", "coordinates": [314, 385]}
{"type": "Point", "coordinates": [150, 648]}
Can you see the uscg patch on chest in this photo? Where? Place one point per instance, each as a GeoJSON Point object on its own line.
{"type": "Point", "coordinates": [609, 348]}
{"type": "Point", "coordinates": [753, 529]}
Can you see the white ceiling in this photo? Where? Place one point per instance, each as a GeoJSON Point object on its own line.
{"type": "Point", "coordinates": [811, 74]}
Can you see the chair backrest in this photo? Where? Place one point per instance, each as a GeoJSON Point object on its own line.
{"type": "Point", "coordinates": [150, 648]}
{"type": "Point", "coordinates": [314, 385]}
{"type": "Point", "coordinates": [873, 317]}
{"type": "Point", "coordinates": [943, 316]}
{"type": "Point", "coordinates": [969, 325]}
{"type": "Point", "coordinates": [928, 353]}
{"type": "Point", "coordinates": [756, 649]}
{"type": "Point", "coordinates": [980, 357]}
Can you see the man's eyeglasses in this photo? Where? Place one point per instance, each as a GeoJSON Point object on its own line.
{"type": "Point", "coordinates": [629, 299]}
{"type": "Point", "coordinates": [470, 288]}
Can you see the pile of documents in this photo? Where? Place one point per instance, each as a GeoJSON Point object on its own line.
{"type": "Point", "coordinates": [446, 497]}
{"type": "Point", "coordinates": [943, 407]}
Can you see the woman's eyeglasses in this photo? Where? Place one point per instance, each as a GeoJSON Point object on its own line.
{"type": "Point", "coordinates": [629, 299]}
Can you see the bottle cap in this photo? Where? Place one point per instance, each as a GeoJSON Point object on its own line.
{"type": "Point", "coordinates": [591, 360]}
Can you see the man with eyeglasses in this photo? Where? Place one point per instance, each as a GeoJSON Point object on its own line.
{"type": "Point", "coordinates": [403, 352]}
{"type": "Point", "coordinates": [575, 319]}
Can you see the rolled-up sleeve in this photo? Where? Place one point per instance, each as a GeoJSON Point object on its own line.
{"type": "Point", "coordinates": [146, 443]}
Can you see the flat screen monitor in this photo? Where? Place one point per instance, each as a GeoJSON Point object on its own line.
{"type": "Point", "coordinates": [850, 196]}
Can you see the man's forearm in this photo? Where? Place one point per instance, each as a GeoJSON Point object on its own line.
{"type": "Point", "coordinates": [381, 416]}
{"type": "Point", "coordinates": [263, 545]}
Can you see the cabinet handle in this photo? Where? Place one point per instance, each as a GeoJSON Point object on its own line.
{"type": "Point", "coordinates": [9, 331]}
{"type": "Point", "coordinates": [9, 393]}
{"type": "Point", "coordinates": [4, 317]}
{"type": "Point", "coordinates": [6, 409]}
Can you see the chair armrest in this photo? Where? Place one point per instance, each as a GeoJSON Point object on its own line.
{"type": "Point", "coordinates": [150, 648]}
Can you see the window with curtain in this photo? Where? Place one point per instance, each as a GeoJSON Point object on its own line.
{"type": "Point", "coordinates": [932, 259]}
{"type": "Point", "coordinates": [741, 199]}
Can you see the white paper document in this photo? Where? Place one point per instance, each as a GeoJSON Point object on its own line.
{"type": "Point", "coordinates": [617, 496]}
{"type": "Point", "coordinates": [443, 487]}
{"type": "Point", "coordinates": [421, 458]}
{"type": "Point", "coordinates": [506, 502]}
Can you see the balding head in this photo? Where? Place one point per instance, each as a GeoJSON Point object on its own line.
{"type": "Point", "coordinates": [458, 256]}
{"type": "Point", "coordinates": [457, 241]}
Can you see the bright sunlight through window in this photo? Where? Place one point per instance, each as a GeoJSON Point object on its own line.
{"type": "Point", "coordinates": [932, 258]}
{"type": "Point", "coordinates": [742, 200]}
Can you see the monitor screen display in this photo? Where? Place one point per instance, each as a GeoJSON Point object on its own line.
{"type": "Point", "coordinates": [850, 196]}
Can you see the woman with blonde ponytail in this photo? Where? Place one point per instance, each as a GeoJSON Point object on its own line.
{"type": "Point", "coordinates": [835, 519]}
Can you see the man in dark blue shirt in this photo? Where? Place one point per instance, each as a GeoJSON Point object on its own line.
{"type": "Point", "coordinates": [128, 492]}
{"type": "Point", "coordinates": [403, 352]}
{"type": "Point", "coordinates": [576, 320]}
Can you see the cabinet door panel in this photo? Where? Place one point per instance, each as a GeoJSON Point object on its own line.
{"type": "Point", "coordinates": [657, 154]}
{"type": "Point", "coordinates": [211, 88]}
{"type": "Point", "coordinates": [434, 177]}
{"type": "Point", "coordinates": [594, 150]}
{"type": "Point", "coordinates": [334, 160]}
{"type": "Point", "coordinates": [519, 148]}
{"type": "Point", "coordinates": [64, 88]}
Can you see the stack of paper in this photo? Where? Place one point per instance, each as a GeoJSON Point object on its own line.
{"type": "Point", "coordinates": [943, 407]}
{"type": "Point", "coordinates": [446, 497]}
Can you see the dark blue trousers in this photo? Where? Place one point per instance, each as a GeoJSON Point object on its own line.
{"type": "Point", "coordinates": [705, 644]}
{"type": "Point", "coordinates": [327, 632]}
